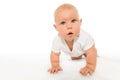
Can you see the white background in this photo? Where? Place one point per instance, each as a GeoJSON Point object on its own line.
{"type": "Point", "coordinates": [26, 26]}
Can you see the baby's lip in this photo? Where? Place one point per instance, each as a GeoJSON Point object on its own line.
{"type": "Point", "coordinates": [70, 33]}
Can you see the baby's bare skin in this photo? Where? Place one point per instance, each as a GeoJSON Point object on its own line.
{"type": "Point", "coordinates": [77, 58]}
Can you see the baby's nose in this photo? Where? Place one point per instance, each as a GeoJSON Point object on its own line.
{"type": "Point", "coordinates": [69, 26]}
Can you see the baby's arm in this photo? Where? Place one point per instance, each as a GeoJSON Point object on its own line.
{"type": "Point", "coordinates": [91, 58]}
{"type": "Point", "coordinates": [54, 58]}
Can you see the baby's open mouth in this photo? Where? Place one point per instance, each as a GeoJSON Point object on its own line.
{"type": "Point", "coordinates": [70, 33]}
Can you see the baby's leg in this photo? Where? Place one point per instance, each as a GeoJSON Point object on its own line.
{"type": "Point", "coordinates": [79, 57]}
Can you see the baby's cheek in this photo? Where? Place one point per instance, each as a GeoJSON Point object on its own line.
{"type": "Point", "coordinates": [62, 34]}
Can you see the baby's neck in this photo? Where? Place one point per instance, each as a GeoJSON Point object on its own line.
{"type": "Point", "coordinates": [70, 44]}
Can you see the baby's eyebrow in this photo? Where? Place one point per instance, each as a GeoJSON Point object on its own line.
{"type": "Point", "coordinates": [74, 19]}
{"type": "Point", "coordinates": [62, 21]}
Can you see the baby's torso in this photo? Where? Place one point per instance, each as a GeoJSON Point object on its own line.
{"type": "Point", "coordinates": [81, 43]}
{"type": "Point", "coordinates": [76, 49]}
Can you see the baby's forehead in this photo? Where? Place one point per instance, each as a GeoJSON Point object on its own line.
{"type": "Point", "coordinates": [65, 7]}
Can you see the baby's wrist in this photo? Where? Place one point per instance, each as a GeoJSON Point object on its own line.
{"type": "Point", "coordinates": [91, 66]}
{"type": "Point", "coordinates": [55, 64]}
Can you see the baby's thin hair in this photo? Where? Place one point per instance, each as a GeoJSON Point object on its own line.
{"type": "Point", "coordinates": [64, 7]}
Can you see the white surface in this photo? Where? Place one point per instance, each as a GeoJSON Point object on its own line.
{"type": "Point", "coordinates": [34, 67]}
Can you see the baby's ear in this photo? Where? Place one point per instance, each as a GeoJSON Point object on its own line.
{"type": "Point", "coordinates": [55, 26]}
{"type": "Point", "coordinates": [80, 22]}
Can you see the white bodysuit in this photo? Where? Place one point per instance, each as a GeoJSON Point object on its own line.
{"type": "Point", "coordinates": [81, 43]}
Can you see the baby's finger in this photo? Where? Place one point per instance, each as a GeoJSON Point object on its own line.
{"type": "Point", "coordinates": [52, 71]}
{"type": "Point", "coordinates": [90, 72]}
{"type": "Point", "coordinates": [86, 72]}
{"type": "Point", "coordinates": [56, 70]}
{"type": "Point", "coordinates": [60, 69]}
{"type": "Point", "coordinates": [48, 70]}
{"type": "Point", "coordinates": [82, 71]}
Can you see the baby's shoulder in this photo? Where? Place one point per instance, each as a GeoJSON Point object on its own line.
{"type": "Point", "coordinates": [57, 39]}
{"type": "Point", "coordinates": [84, 35]}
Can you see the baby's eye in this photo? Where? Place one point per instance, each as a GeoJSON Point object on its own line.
{"type": "Point", "coordinates": [63, 22]}
{"type": "Point", "coordinates": [74, 20]}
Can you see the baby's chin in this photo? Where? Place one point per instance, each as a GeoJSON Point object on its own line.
{"type": "Point", "coordinates": [69, 38]}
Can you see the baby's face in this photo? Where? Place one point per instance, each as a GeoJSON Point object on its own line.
{"type": "Point", "coordinates": [68, 24]}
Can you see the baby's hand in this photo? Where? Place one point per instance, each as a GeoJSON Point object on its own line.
{"type": "Point", "coordinates": [55, 69]}
{"type": "Point", "coordinates": [89, 69]}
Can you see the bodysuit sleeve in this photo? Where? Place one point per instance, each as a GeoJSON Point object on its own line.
{"type": "Point", "coordinates": [56, 45]}
{"type": "Point", "coordinates": [89, 42]}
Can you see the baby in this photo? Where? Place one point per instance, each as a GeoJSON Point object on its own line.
{"type": "Point", "coordinates": [72, 39]}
